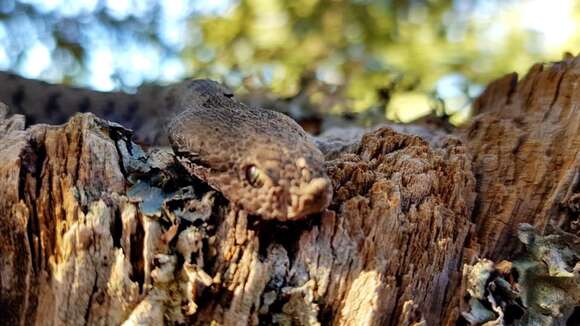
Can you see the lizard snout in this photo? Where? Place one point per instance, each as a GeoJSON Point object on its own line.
{"type": "Point", "coordinates": [310, 198]}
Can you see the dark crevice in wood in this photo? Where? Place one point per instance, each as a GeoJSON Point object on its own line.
{"type": "Point", "coordinates": [556, 93]}
{"type": "Point", "coordinates": [512, 88]}
{"type": "Point", "coordinates": [137, 244]}
{"type": "Point", "coordinates": [368, 258]}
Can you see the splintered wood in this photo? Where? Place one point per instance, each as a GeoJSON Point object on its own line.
{"type": "Point", "coordinates": [83, 252]}
{"type": "Point", "coordinates": [525, 143]}
{"type": "Point", "coordinates": [97, 231]}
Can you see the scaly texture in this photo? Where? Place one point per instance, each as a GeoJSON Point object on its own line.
{"type": "Point", "coordinates": [42, 102]}
{"type": "Point", "coordinates": [389, 250]}
{"type": "Point", "coordinates": [259, 159]}
{"type": "Point", "coordinates": [79, 248]}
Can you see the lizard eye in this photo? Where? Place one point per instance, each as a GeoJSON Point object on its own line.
{"type": "Point", "coordinates": [255, 176]}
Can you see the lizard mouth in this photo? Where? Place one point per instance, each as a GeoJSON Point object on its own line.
{"type": "Point", "coordinates": [312, 198]}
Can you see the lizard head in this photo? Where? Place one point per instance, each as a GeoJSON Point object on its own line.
{"type": "Point", "coordinates": [260, 160]}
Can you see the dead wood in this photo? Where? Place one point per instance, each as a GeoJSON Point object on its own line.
{"type": "Point", "coordinates": [95, 230]}
{"type": "Point", "coordinates": [525, 145]}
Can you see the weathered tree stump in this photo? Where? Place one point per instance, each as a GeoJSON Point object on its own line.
{"type": "Point", "coordinates": [96, 230]}
{"type": "Point", "coordinates": [525, 144]}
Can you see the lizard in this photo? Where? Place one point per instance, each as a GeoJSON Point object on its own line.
{"type": "Point", "coordinates": [260, 160]}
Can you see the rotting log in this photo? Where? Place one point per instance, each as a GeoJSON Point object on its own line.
{"type": "Point", "coordinates": [96, 230]}
{"type": "Point", "coordinates": [525, 141]}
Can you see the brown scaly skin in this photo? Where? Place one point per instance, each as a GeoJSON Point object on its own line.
{"type": "Point", "coordinates": [42, 102]}
{"type": "Point", "coordinates": [216, 138]}
{"type": "Point", "coordinates": [219, 140]}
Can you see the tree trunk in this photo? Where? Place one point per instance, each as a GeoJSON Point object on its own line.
{"type": "Point", "coordinates": [97, 231]}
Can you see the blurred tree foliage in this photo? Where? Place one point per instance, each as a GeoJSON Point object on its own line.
{"type": "Point", "coordinates": [340, 55]}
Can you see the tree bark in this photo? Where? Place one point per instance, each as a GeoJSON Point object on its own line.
{"type": "Point", "coordinates": [96, 230]}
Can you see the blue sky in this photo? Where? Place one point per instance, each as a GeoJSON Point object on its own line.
{"type": "Point", "coordinates": [552, 22]}
{"type": "Point", "coordinates": [143, 60]}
